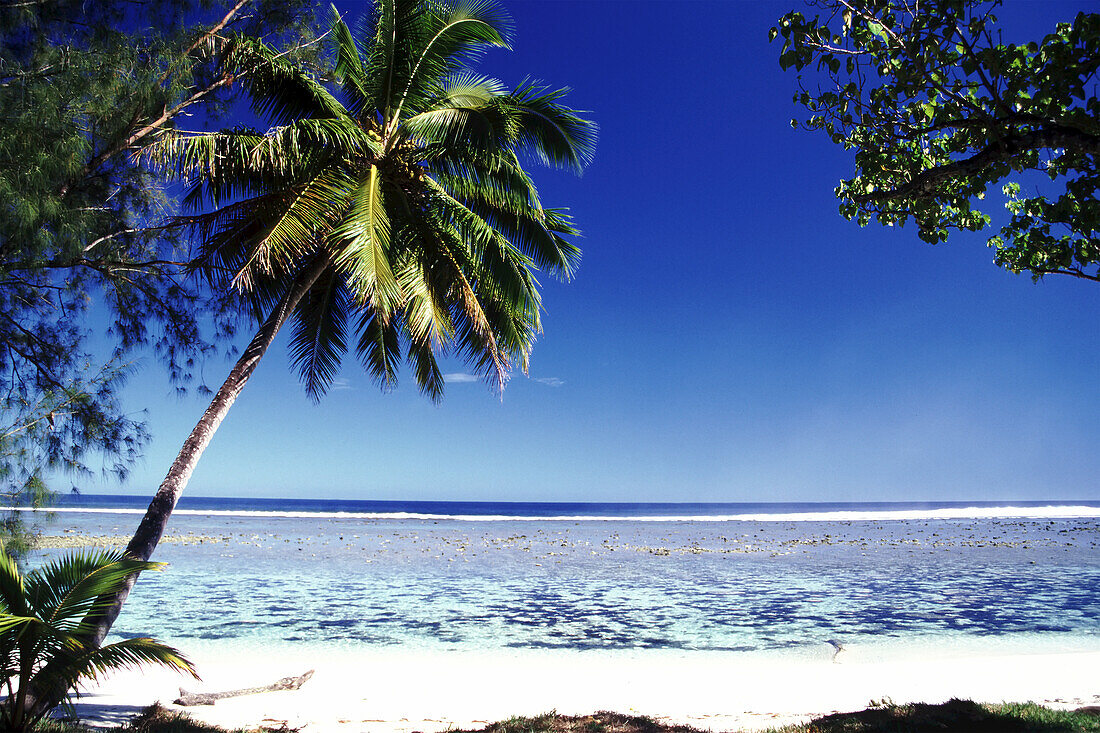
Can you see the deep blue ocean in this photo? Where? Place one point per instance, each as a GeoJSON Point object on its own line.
{"type": "Point", "coordinates": [708, 577]}
{"type": "Point", "coordinates": [520, 510]}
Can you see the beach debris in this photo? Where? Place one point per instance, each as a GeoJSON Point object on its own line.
{"type": "Point", "coordinates": [209, 698]}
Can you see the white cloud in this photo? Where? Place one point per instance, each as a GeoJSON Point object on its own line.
{"type": "Point", "coordinates": [459, 377]}
{"type": "Point", "coordinates": [550, 381]}
{"type": "Point", "coordinates": [339, 384]}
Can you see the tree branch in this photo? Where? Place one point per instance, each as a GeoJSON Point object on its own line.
{"type": "Point", "coordinates": [925, 183]}
{"type": "Point", "coordinates": [206, 36]}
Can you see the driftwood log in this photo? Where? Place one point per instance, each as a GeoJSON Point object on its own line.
{"type": "Point", "coordinates": [209, 698]}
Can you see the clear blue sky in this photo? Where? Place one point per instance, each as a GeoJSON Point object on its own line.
{"type": "Point", "coordinates": [728, 337]}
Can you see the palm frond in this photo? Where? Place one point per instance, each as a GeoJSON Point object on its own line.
{"type": "Point", "coordinates": [71, 590]}
{"type": "Point", "coordinates": [556, 135]}
{"type": "Point", "coordinates": [503, 190]}
{"type": "Point", "coordinates": [483, 224]}
{"type": "Point", "coordinates": [349, 69]}
{"type": "Point", "coordinates": [391, 31]}
{"type": "Point", "coordinates": [453, 126]}
{"type": "Point", "coordinates": [450, 37]}
{"type": "Point", "coordinates": [217, 158]}
{"type": "Point", "coordinates": [319, 338]}
{"type": "Point", "coordinates": [378, 347]}
{"type": "Point", "coordinates": [294, 223]}
{"type": "Point", "coordinates": [464, 114]}
{"type": "Point", "coordinates": [429, 377]}
{"type": "Point", "coordinates": [287, 151]}
{"type": "Point", "coordinates": [46, 648]}
{"type": "Point", "coordinates": [278, 89]}
{"type": "Point", "coordinates": [129, 654]}
{"type": "Point", "coordinates": [12, 595]}
{"type": "Point", "coordinates": [10, 622]}
{"type": "Point", "coordinates": [363, 238]}
{"type": "Point", "coordinates": [425, 311]}
{"type": "Point", "coordinates": [445, 247]}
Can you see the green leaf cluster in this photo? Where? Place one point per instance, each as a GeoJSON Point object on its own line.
{"type": "Point", "coordinates": [44, 619]}
{"type": "Point", "coordinates": [938, 108]}
{"type": "Point", "coordinates": [399, 199]}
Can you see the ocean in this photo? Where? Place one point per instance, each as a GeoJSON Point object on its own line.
{"type": "Point", "coordinates": [761, 577]}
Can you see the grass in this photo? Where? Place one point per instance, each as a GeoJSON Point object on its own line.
{"type": "Point", "coordinates": [954, 716]}
{"type": "Point", "coordinates": [156, 719]}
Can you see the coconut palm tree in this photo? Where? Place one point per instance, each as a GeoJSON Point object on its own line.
{"type": "Point", "coordinates": [396, 220]}
{"type": "Point", "coordinates": [44, 619]}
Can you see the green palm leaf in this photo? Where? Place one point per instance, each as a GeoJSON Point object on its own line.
{"type": "Point", "coordinates": [319, 338]}
{"type": "Point", "coordinates": [349, 65]}
{"type": "Point", "coordinates": [130, 654]}
{"type": "Point", "coordinates": [422, 358]}
{"type": "Point", "coordinates": [451, 37]}
{"type": "Point", "coordinates": [64, 592]}
{"type": "Point", "coordinates": [379, 347]}
{"type": "Point", "coordinates": [278, 91]}
{"type": "Point", "coordinates": [12, 596]}
{"type": "Point", "coordinates": [294, 223]}
{"type": "Point", "coordinates": [43, 648]}
{"type": "Point", "coordinates": [364, 238]}
{"type": "Point", "coordinates": [393, 28]}
{"type": "Point", "coordinates": [555, 134]}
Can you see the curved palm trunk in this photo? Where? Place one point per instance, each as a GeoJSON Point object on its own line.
{"type": "Point", "coordinates": [40, 700]}
{"type": "Point", "coordinates": [152, 525]}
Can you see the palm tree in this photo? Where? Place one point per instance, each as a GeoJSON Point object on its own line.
{"type": "Point", "coordinates": [400, 216]}
{"type": "Point", "coordinates": [44, 620]}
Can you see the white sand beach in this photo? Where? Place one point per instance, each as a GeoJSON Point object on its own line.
{"type": "Point", "coordinates": [391, 690]}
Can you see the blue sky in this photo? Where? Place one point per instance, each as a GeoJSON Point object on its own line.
{"type": "Point", "coordinates": [728, 336]}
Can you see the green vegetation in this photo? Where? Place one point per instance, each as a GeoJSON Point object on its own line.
{"type": "Point", "coordinates": [154, 719]}
{"type": "Point", "coordinates": [83, 86]}
{"type": "Point", "coordinates": [44, 619]}
{"type": "Point", "coordinates": [954, 716]}
{"type": "Point", "coordinates": [938, 108]}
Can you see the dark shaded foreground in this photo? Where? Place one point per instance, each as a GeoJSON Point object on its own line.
{"type": "Point", "coordinates": [950, 717]}
{"type": "Point", "coordinates": [954, 716]}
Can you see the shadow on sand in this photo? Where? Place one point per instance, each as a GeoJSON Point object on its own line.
{"type": "Point", "coordinates": [104, 715]}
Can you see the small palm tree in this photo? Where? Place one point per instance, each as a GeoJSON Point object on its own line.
{"type": "Point", "coordinates": [45, 617]}
{"type": "Point", "coordinates": [394, 216]}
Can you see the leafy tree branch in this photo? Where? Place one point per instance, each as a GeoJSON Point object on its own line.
{"type": "Point", "coordinates": [938, 108]}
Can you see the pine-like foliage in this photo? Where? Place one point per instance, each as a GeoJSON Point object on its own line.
{"type": "Point", "coordinates": [406, 185]}
{"type": "Point", "coordinates": [44, 617]}
{"type": "Point", "coordinates": [83, 86]}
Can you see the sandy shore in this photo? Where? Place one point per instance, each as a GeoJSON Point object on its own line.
{"type": "Point", "coordinates": [395, 691]}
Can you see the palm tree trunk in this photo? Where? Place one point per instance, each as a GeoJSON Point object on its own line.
{"type": "Point", "coordinates": [152, 525]}
{"type": "Point", "coordinates": [40, 699]}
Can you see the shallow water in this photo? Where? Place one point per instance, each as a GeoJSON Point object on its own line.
{"type": "Point", "coordinates": [618, 584]}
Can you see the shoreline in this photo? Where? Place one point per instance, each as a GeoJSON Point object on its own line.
{"type": "Point", "coordinates": [400, 690]}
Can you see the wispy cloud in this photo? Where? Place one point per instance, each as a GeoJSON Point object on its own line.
{"type": "Point", "coordinates": [339, 384]}
{"type": "Point", "coordinates": [459, 377]}
{"type": "Point", "coordinates": [550, 381]}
